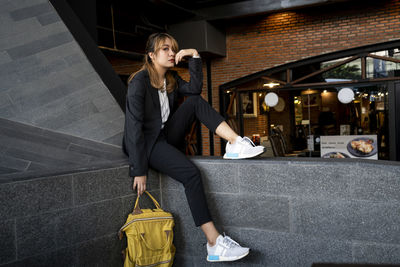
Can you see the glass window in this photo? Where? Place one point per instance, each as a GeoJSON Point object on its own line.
{"type": "Point", "coordinates": [378, 68]}
{"type": "Point", "coordinates": [302, 117]}
{"type": "Point", "coordinates": [346, 72]}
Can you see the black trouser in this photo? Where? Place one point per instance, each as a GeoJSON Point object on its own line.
{"type": "Point", "coordinates": [168, 159]}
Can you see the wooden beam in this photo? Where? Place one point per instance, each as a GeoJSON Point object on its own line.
{"type": "Point", "coordinates": [395, 60]}
{"type": "Point", "coordinates": [231, 101]}
{"type": "Point", "coordinates": [272, 79]}
{"type": "Point", "coordinates": [288, 75]}
{"type": "Point", "coordinates": [325, 69]}
{"type": "Point", "coordinates": [345, 82]}
{"type": "Point", "coordinates": [363, 68]}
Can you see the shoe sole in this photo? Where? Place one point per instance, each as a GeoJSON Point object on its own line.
{"type": "Point", "coordinates": [220, 258]}
{"type": "Point", "coordinates": [227, 156]}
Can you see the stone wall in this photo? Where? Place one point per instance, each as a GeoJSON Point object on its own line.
{"type": "Point", "coordinates": [69, 220]}
{"type": "Point", "coordinates": [289, 212]}
{"type": "Point", "coordinates": [47, 81]}
{"type": "Point", "coordinates": [295, 213]}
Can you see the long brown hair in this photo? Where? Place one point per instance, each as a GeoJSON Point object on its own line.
{"type": "Point", "coordinates": [154, 44]}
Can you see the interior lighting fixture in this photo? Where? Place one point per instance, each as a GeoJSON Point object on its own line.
{"type": "Point", "coordinates": [271, 84]}
{"type": "Point", "coordinates": [271, 99]}
{"type": "Point", "coordinates": [325, 91]}
{"type": "Point", "coordinates": [346, 95]}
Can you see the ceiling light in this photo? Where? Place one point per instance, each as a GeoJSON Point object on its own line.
{"type": "Point", "coordinates": [345, 95]}
{"type": "Point", "coordinates": [271, 84]}
{"type": "Point", "coordinates": [271, 99]}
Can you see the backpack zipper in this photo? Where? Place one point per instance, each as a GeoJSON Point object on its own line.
{"type": "Point", "coordinates": [143, 219]}
{"type": "Point", "coordinates": [154, 264]}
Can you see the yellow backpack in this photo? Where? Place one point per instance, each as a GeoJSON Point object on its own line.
{"type": "Point", "coordinates": [150, 234]}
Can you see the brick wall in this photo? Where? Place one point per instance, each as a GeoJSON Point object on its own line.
{"type": "Point", "coordinates": [258, 43]}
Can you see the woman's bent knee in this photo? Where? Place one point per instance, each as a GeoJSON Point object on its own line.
{"type": "Point", "coordinates": [194, 99]}
{"type": "Point", "coordinates": [194, 176]}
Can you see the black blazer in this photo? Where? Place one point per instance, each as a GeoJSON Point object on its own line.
{"type": "Point", "coordinates": [143, 114]}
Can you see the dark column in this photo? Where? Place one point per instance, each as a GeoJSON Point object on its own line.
{"type": "Point", "coordinates": [209, 93]}
{"type": "Point", "coordinates": [86, 12]}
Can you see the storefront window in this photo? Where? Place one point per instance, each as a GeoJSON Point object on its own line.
{"type": "Point", "coordinates": [334, 106]}
{"type": "Point", "coordinates": [302, 117]}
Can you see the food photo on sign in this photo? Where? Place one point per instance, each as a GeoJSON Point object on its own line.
{"type": "Point", "coordinates": [349, 146]}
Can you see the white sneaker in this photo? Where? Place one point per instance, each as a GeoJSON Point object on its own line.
{"type": "Point", "coordinates": [243, 148]}
{"type": "Point", "coordinates": [226, 249]}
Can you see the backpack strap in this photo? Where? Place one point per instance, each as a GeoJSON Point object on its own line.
{"type": "Point", "coordinates": [137, 210]}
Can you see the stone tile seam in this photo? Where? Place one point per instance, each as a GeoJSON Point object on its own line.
{"type": "Point", "coordinates": [42, 42]}
{"type": "Point", "coordinates": [288, 162]}
{"type": "Point", "coordinates": [31, 180]}
{"type": "Point", "coordinates": [237, 179]}
{"type": "Point", "coordinates": [57, 132]}
{"type": "Point", "coordinates": [306, 236]}
{"type": "Point", "coordinates": [226, 193]}
{"type": "Point", "coordinates": [291, 215]}
{"type": "Point", "coordinates": [258, 229]}
{"type": "Point", "coordinates": [75, 245]}
{"type": "Point", "coordinates": [330, 199]}
{"type": "Point", "coordinates": [9, 262]}
{"type": "Point", "coordinates": [28, 162]}
{"type": "Point", "coordinates": [258, 194]}
{"type": "Point", "coordinates": [350, 241]}
{"type": "Point", "coordinates": [134, 193]}
{"type": "Point", "coordinates": [326, 162]}
{"type": "Point", "coordinates": [211, 162]}
{"type": "Point", "coordinates": [50, 211]}
{"type": "Point", "coordinates": [105, 200]}
{"type": "Point", "coordinates": [68, 147]}
{"type": "Point", "coordinates": [117, 168]}
{"type": "Point", "coordinates": [367, 242]}
{"type": "Point", "coordinates": [222, 192]}
{"type": "Point", "coordinates": [353, 252]}
{"type": "Point", "coordinates": [8, 95]}
{"type": "Point", "coordinates": [73, 190]}
{"type": "Point", "coordinates": [44, 4]}
{"type": "Point", "coordinates": [15, 238]}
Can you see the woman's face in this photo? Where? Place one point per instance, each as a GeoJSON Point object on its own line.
{"type": "Point", "coordinates": [165, 56]}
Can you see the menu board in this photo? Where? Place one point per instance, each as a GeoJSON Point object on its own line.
{"type": "Point", "coordinates": [349, 146]}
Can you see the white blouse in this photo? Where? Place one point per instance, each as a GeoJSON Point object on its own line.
{"type": "Point", "coordinates": [164, 104]}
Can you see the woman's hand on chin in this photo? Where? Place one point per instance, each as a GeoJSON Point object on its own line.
{"type": "Point", "coordinates": [185, 52]}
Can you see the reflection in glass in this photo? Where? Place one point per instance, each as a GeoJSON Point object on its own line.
{"type": "Point", "coordinates": [378, 68]}
{"type": "Point", "coordinates": [346, 72]}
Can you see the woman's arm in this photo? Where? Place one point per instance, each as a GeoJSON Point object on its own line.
{"type": "Point", "coordinates": [135, 142]}
{"type": "Point", "coordinates": [195, 85]}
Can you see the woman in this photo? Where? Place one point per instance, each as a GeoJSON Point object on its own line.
{"type": "Point", "coordinates": [155, 128]}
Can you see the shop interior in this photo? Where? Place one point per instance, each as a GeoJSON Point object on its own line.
{"type": "Point", "coordinates": [346, 97]}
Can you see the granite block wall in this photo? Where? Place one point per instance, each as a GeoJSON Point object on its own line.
{"type": "Point", "coordinates": [46, 79]}
{"type": "Point", "coordinates": [293, 212]}
{"type": "Point", "coordinates": [68, 220]}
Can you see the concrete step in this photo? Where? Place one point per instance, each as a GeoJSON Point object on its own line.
{"type": "Point", "coordinates": [30, 151]}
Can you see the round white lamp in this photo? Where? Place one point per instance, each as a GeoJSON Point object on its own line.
{"type": "Point", "coordinates": [345, 95]}
{"type": "Point", "coordinates": [271, 99]}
